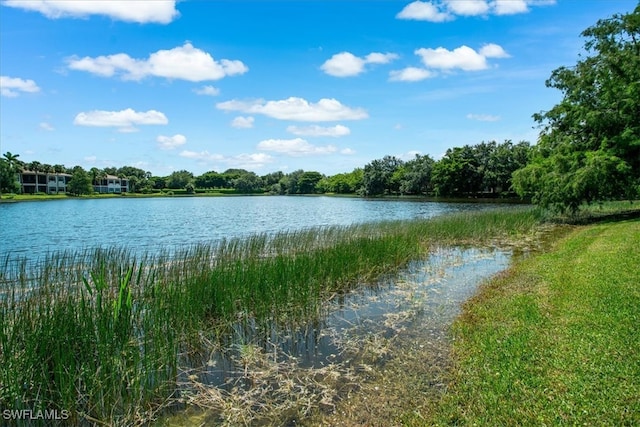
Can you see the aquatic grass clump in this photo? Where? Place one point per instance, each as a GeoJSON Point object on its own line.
{"type": "Point", "coordinates": [100, 332]}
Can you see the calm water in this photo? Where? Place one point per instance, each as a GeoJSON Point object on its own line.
{"type": "Point", "coordinates": [31, 229]}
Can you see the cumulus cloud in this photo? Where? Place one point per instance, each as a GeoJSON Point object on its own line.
{"type": "Point", "coordinates": [346, 64]}
{"type": "Point", "coordinates": [244, 161]}
{"type": "Point", "coordinates": [423, 11]}
{"type": "Point", "coordinates": [124, 120]}
{"type": "Point", "coordinates": [347, 151]}
{"type": "Point", "coordinates": [410, 74]}
{"type": "Point", "coordinates": [463, 57]}
{"type": "Point", "coordinates": [315, 130]}
{"type": "Point", "coordinates": [442, 59]}
{"type": "Point", "coordinates": [447, 10]}
{"type": "Point", "coordinates": [297, 109]}
{"type": "Point", "coordinates": [468, 7]}
{"type": "Point", "coordinates": [183, 62]}
{"type": "Point", "coordinates": [483, 117]}
{"type": "Point", "coordinates": [12, 87]}
{"type": "Point", "coordinates": [207, 90]}
{"type": "Point", "coordinates": [171, 142]}
{"type": "Point", "coordinates": [510, 7]}
{"type": "Point", "coordinates": [295, 147]}
{"type": "Point", "coordinates": [492, 50]}
{"type": "Point", "coordinates": [141, 11]}
{"type": "Point", "coordinates": [241, 122]}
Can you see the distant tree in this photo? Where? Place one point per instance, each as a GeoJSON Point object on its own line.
{"type": "Point", "coordinates": [272, 179]}
{"type": "Point", "coordinates": [80, 182]}
{"type": "Point", "coordinates": [179, 179]}
{"type": "Point", "coordinates": [504, 159]}
{"type": "Point", "coordinates": [342, 183]}
{"type": "Point", "coordinates": [13, 160]}
{"type": "Point", "coordinates": [211, 179]}
{"type": "Point", "coordinates": [290, 182]}
{"type": "Point", "coordinates": [308, 181]}
{"type": "Point", "coordinates": [248, 182]}
{"type": "Point", "coordinates": [8, 180]}
{"type": "Point", "coordinates": [377, 175]}
{"type": "Point", "coordinates": [589, 145]}
{"type": "Point", "coordinates": [457, 173]}
{"type": "Point", "coordinates": [417, 175]}
{"type": "Point", "coordinates": [10, 165]}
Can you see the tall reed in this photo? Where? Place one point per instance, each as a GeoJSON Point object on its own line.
{"type": "Point", "coordinates": [99, 332]}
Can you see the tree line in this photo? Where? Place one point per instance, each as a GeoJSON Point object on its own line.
{"type": "Point", "coordinates": [482, 169]}
{"type": "Point", "coordinates": [588, 149]}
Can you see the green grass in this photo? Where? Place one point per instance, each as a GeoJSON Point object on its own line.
{"type": "Point", "coordinates": [555, 340]}
{"type": "Point", "coordinates": [99, 332]}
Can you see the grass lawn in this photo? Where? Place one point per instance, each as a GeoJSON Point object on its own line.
{"type": "Point", "coordinates": [554, 340]}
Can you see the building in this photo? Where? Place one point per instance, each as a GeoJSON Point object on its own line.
{"type": "Point", "coordinates": [111, 184]}
{"type": "Point", "coordinates": [56, 183]}
{"type": "Point", "coordinates": [49, 183]}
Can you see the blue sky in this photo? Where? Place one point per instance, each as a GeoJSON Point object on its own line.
{"type": "Point", "coordinates": [277, 85]}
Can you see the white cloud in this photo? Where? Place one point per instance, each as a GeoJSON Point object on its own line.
{"type": "Point", "coordinates": [423, 11]}
{"type": "Point", "coordinates": [141, 11]}
{"type": "Point", "coordinates": [447, 10]}
{"type": "Point", "coordinates": [123, 120]}
{"type": "Point", "coordinates": [207, 90]}
{"type": "Point", "coordinates": [11, 87]}
{"type": "Point", "coordinates": [183, 62]}
{"type": "Point", "coordinates": [297, 109]}
{"type": "Point", "coordinates": [468, 7]}
{"type": "Point", "coordinates": [463, 57]}
{"type": "Point", "coordinates": [347, 151]}
{"type": "Point", "coordinates": [46, 126]}
{"type": "Point", "coordinates": [346, 64]}
{"type": "Point", "coordinates": [241, 122]}
{"type": "Point", "coordinates": [171, 142]}
{"type": "Point", "coordinates": [492, 50]}
{"type": "Point", "coordinates": [244, 161]}
{"type": "Point", "coordinates": [483, 117]}
{"type": "Point", "coordinates": [315, 130]}
{"type": "Point", "coordinates": [510, 7]}
{"type": "Point", "coordinates": [295, 147]}
{"type": "Point", "coordinates": [410, 74]}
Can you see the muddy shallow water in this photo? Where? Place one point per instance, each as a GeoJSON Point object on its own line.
{"type": "Point", "coordinates": [279, 375]}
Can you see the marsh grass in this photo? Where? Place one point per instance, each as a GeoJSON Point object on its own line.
{"type": "Point", "coordinates": [100, 332]}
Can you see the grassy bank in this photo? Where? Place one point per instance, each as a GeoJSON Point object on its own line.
{"type": "Point", "coordinates": [553, 340]}
{"type": "Point", "coordinates": [99, 333]}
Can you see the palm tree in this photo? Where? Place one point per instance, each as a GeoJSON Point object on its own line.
{"type": "Point", "coordinates": [12, 159]}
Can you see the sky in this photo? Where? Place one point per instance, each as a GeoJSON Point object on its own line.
{"type": "Point", "coordinates": [271, 86]}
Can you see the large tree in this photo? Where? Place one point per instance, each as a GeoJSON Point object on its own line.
{"type": "Point", "coordinates": [589, 145]}
{"type": "Point", "coordinates": [80, 182]}
{"type": "Point", "coordinates": [378, 174]}
{"type": "Point", "coordinates": [9, 168]}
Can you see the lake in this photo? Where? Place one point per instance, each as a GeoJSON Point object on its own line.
{"type": "Point", "coordinates": [32, 229]}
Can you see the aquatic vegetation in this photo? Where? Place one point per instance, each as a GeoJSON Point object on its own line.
{"type": "Point", "coordinates": [105, 333]}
